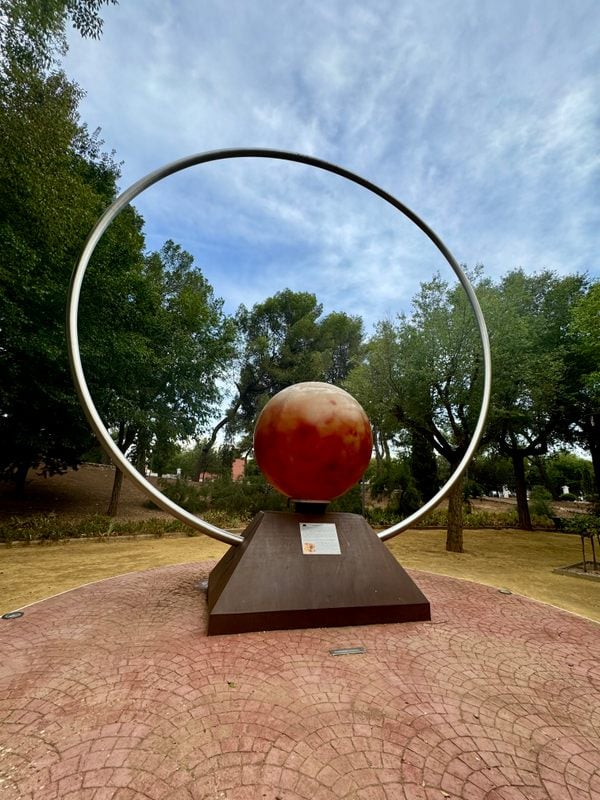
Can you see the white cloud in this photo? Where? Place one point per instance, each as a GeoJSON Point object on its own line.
{"type": "Point", "coordinates": [480, 116]}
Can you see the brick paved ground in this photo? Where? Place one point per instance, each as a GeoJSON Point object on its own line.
{"type": "Point", "coordinates": [113, 691]}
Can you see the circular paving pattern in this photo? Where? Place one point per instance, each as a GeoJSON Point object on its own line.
{"type": "Point", "coordinates": [114, 692]}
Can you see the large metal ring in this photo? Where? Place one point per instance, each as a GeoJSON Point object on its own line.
{"type": "Point", "coordinates": [219, 155]}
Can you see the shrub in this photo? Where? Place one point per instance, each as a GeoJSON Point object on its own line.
{"type": "Point", "coordinates": [472, 489]}
{"type": "Point", "coordinates": [540, 502]}
{"type": "Point", "coordinates": [583, 523]}
{"type": "Point", "coordinates": [438, 518]}
{"type": "Point", "coordinates": [50, 528]}
{"type": "Point", "coordinates": [381, 517]}
{"type": "Point", "coordinates": [488, 519]}
{"type": "Point", "coordinates": [189, 496]}
{"type": "Point", "coordinates": [351, 501]}
{"type": "Point", "coordinates": [223, 519]}
{"type": "Point", "coordinates": [245, 498]}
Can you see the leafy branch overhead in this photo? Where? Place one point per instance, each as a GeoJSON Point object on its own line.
{"type": "Point", "coordinates": [33, 33]}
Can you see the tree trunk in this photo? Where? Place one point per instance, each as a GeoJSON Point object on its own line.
{"type": "Point", "coordinates": [116, 493]}
{"type": "Point", "coordinates": [378, 455]}
{"type": "Point", "coordinates": [518, 461]}
{"type": "Point", "coordinates": [386, 449]}
{"type": "Point", "coordinates": [592, 432]}
{"type": "Point", "coordinates": [423, 466]}
{"type": "Point", "coordinates": [454, 536]}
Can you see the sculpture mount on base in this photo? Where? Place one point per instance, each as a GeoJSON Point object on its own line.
{"type": "Point", "coordinates": [270, 582]}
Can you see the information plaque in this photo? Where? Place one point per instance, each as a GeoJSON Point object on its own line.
{"type": "Point", "coordinates": [319, 539]}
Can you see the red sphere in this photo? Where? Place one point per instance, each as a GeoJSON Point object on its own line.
{"type": "Point", "coordinates": [313, 441]}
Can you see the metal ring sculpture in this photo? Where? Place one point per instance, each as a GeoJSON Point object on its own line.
{"type": "Point", "coordinates": [219, 155]}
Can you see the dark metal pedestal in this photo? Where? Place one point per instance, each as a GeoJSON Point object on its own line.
{"type": "Point", "coordinates": [268, 583]}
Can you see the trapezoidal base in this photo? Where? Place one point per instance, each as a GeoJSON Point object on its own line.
{"type": "Point", "coordinates": [287, 574]}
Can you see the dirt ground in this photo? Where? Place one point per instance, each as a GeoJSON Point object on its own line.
{"type": "Point", "coordinates": [77, 493]}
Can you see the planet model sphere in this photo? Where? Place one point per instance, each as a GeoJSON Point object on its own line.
{"type": "Point", "coordinates": [312, 441]}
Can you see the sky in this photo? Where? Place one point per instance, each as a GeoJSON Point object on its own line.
{"type": "Point", "coordinates": [479, 115]}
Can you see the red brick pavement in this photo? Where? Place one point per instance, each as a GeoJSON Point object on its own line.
{"type": "Point", "coordinates": [114, 692]}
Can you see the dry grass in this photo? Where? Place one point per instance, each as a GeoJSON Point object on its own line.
{"type": "Point", "coordinates": [29, 574]}
{"type": "Point", "coordinates": [511, 559]}
{"type": "Point", "coordinates": [521, 562]}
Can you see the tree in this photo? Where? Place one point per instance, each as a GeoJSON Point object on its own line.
{"type": "Point", "coordinates": [283, 341]}
{"type": "Point", "coordinates": [170, 344]}
{"type": "Point", "coordinates": [585, 361]}
{"type": "Point", "coordinates": [427, 371]}
{"type": "Point", "coordinates": [492, 472]}
{"type": "Point", "coordinates": [364, 383]}
{"type": "Point", "coordinates": [150, 327]}
{"type": "Point", "coordinates": [423, 466]}
{"type": "Point", "coordinates": [562, 468]}
{"type": "Point", "coordinates": [55, 181]}
{"type": "Point", "coordinates": [340, 343]}
{"type": "Point", "coordinates": [280, 348]}
{"type": "Point", "coordinates": [393, 479]}
{"type": "Point", "coordinates": [153, 337]}
{"type": "Point", "coordinates": [196, 465]}
{"type": "Point", "coordinates": [532, 408]}
{"type": "Point", "coordinates": [54, 185]}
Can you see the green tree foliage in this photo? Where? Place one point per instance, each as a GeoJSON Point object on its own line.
{"type": "Point", "coordinates": [280, 347]}
{"type": "Point", "coordinates": [283, 341]}
{"type": "Point", "coordinates": [340, 344]}
{"type": "Point", "coordinates": [426, 371]}
{"type": "Point", "coordinates": [584, 329]}
{"type": "Point", "coordinates": [54, 184]}
{"type": "Point", "coordinates": [492, 472]}
{"type": "Point", "coordinates": [32, 32]}
{"type": "Point", "coordinates": [362, 382]}
{"type": "Point", "coordinates": [196, 463]}
{"type": "Point", "coordinates": [169, 343]}
{"type": "Point", "coordinates": [153, 337]}
{"type": "Point", "coordinates": [585, 318]}
{"type": "Point", "coordinates": [394, 481]}
{"type": "Point", "coordinates": [560, 469]}
{"type": "Point", "coordinates": [54, 181]}
{"type": "Point", "coordinates": [541, 501]}
{"type": "Point", "coordinates": [423, 374]}
{"type": "Point", "coordinates": [532, 408]}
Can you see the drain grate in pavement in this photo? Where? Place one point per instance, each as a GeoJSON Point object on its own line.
{"type": "Point", "coordinates": [348, 651]}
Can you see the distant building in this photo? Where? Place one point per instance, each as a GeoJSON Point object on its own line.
{"type": "Point", "coordinates": [238, 468]}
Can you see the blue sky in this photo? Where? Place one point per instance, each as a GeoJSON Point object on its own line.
{"type": "Point", "coordinates": [482, 116]}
